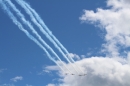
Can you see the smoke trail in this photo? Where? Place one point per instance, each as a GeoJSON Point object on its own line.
{"type": "Point", "coordinates": [41, 28]}
{"type": "Point", "coordinates": [45, 27]}
{"type": "Point", "coordinates": [36, 23]}
{"type": "Point", "coordinates": [29, 11]}
{"type": "Point", "coordinates": [32, 29]}
{"type": "Point", "coordinates": [16, 22]}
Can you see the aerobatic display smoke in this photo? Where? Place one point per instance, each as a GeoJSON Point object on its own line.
{"type": "Point", "coordinates": [22, 3]}
{"type": "Point", "coordinates": [8, 7]}
{"type": "Point", "coordinates": [44, 29]}
{"type": "Point", "coordinates": [16, 22]}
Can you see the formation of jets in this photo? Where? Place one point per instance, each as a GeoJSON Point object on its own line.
{"type": "Point", "coordinates": [74, 74]}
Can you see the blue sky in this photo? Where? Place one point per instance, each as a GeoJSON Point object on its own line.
{"type": "Point", "coordinates": [22, 62]}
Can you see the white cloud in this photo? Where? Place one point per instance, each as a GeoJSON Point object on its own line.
{"type": "Point", "coordinates": [74, 56]}
{"type": "Point", "coordinates": [100, 72]}
{"type": "Point", "coordinates": [111, 70]}
{"type": "Point", "coordinates": [1, 70]}
{"type": "Point", "coordinates": [7, 85]}
{"type": "Point", "coordinates": [115, 21]}
{"type": "Point", "coordinates": [49, 68]}
{"type": "Point", "coordinates": [50, 85]}
{"type": "Point", "coordinates": [28, 85]}
{"type": "Point", "coordinates": [44, 71]}
{"type": "Point", "coordinates": [128, 58]}
{"type": "Point", "coordinates": [15, 79]}
{"type": "Point", "coordinates": [47, 71]}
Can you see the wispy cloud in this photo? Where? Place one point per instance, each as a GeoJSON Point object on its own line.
{"type": "Point", "coordinates": [1, 70]}
{"type": "Point", "coordinates": [28, 85]}
{"type": "Point", "coordinates": [17, 78]}
{"type": "Point", "coordinates": [7, 85]}
{"type": "Point", "coordinates": [74, 56]}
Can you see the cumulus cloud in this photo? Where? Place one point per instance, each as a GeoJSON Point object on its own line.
{"type": "Point", "coordinates": [17, 78]}
{"type": "Point", "coordinates": [100, 72]}
{"type": "Point", "coordinates": [114, 68]}
{"type": "Point", "coordinates": [115, 21]}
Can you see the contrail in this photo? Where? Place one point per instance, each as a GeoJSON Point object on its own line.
{"type": "Point", "coordinates": [47, 33]}
{"type": "Point", "coordinates": [21, 16]}
{"type": "Point", "coordinates": [16, 22]}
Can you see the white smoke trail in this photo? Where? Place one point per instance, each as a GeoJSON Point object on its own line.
{"type": "Point", "coordinates": [47, 33]}
{"type": "Point", "coordinates": [16, 22]}
{"type": "Point", "coordinates": [21, 16]}
{"type": "Point", "coordinates": [45, 27]}
{"type": "Point", "coordinates": [41, 28]}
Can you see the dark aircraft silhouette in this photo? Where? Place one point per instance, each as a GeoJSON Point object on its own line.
{"type": "Point", "coordinates": [85, 74]}
{"type": "Point", "coordinates": [74, 74]}
{"type": "Point", "coordinates": [66, 73]}
{"type": "Point", "coordinates": [80, 75]}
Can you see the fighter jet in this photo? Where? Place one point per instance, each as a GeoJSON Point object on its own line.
{"type": "Point", "coordinates": [72, 74]}
{"type": "Point", "coordinates": [80, 75]}
{"type": "Point", "coordinates": [66, 73]}
{"type": "Point", "coordinates": [85, 74]}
